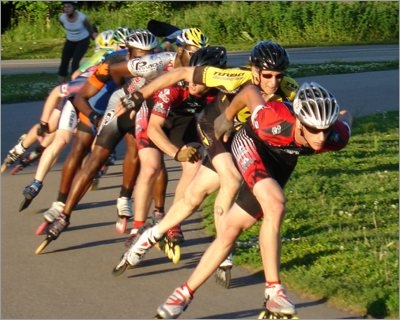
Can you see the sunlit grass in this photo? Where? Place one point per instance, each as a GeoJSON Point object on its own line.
{"type": "Point", "coordinates": [340, 234]}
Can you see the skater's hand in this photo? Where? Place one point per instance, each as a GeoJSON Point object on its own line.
{"type": "Point", "coordinates": [223, 127]}
{"type": "Point", "coordinates": [188, 153]}
{"type": "Point", "coordinates": [42, 129]}
{"type": "Point", "coordinates": [132, 101]}
{"type": "Point", "coordinates": [120, 110]}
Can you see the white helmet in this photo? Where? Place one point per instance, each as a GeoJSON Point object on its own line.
{"type": "Point", "coordinates": [105, 40]}
{"type": "Point", "coordinates": [120, 35]}
{"type": "Point", "coordinates": [142, 39]}
{"type": "Point", "coordinates": [315, 107]}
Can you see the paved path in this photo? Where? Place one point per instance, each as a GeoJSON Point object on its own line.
{"type": "Point", "coordinates": [72, 278]}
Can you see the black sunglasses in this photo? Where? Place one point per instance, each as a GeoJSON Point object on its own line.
{"type": "Point", "coordinates": [270, 76]}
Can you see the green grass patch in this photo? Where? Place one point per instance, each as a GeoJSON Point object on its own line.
{"type": "Point", "coordinates": [340, 234]}
{"type": "Point", "coordinates": [26, 87]}
{"type": "Point", "coordinates": [35, 87]}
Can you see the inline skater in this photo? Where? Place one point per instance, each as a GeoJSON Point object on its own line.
{"type": "Point", "coordinates": [155, 65]}
{"type": "Point", "coordinates": [171, 128]}
{"type": "Point", "coordinates": [44, 131]}
{"type": "Point", "coordinates": [274, 137]}
{"type": "Point", "coordinates": [139, 43]}
{"type": "Point", "coordinates": [114, 128]}
{"type": "Point", "coordinates": [66, 127]}
{"type": "Point", "coordinates": [268, 60]}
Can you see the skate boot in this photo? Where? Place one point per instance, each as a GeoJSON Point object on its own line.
{"type": "Point", "coordinates": [14, 154]}
{"type": "Point", "coordinates": [277, 304]}
{"type": "Point", "coordinates": [30, 192]}
{"type": "Point", "coordinates": [27, 161]}
{"type": "Point", "coordinates": [223, 273]}
{"type": "Point", "coordinates": [145, 240]}
{"type": "Point", "coordinates": [125, 212]}
{"type": "Point", "coordinates": [173, 239]}
{"type": "Point", "coordinates": [53, 231]}
{"type": "Point", "coordinates": [57, 226]}
{"type": "Point", "coordinates": [176, 304]}
{"type": "Point", "coordinates": [50, 215]}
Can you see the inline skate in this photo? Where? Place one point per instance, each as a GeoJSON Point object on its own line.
{"type": "Point", "coordinates": [26, 161]}
{"type": "Point", "coordinates": [29, 193]}
{"type": "Point", "coordinates": [223, 273]}
{"type": "Point", "coordinates": [136, 251]}
{"type": "Point", "coordinates": [53, 231]}
{"type": "Point", "coordinates": [124, 212]}
{"type": "Point", "coordinates": [171, 243]}
{"type": "Point", "coordinates": [14, 154]}
{"type": "Point", "coordinates": [276, 304]}
{"type": "Point", "coordinates": [49, 216]}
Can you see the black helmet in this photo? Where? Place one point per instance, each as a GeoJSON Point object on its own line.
{"type": "Point", "coordinates": [209, 56]}
{"type": "Point", "coordinates": [269, 55]}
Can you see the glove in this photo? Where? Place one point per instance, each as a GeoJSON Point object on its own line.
{"type": "Point", "coordinates": [223, 127]}
{"type": "Point", "coordinates": [133, 101]}
{"type": "Point", "coordinates": [43, 129]}
{"type": "Point", "coordinates": [187, 153]}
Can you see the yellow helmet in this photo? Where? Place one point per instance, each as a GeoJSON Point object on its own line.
{"type": "Point", "coordinates": [105, 40]}
{"type": "Point", "coordinates": [192, 37]}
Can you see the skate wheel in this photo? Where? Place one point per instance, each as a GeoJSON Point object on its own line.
{"type": "Point", "coordinates": [24, 204]}
{"type": "Point", "coordinates": [157, 316]}
{"type": "Point", "coordinates": [16, 169]}
{"type": "Point", "coordinates": [42, 227]}
{"type": "Point", "coordinates": [176, 253]}
{"type": "Point", "coordinates": [120, 269]}
{"type": "Point", "coordinates": [169, 251]}
{"type": "Point", "coordinates": [3, 167]}
{"type": "Point", "coordinates": [43, 245]}
{"type": "Point", "coordinates": [121, 224]}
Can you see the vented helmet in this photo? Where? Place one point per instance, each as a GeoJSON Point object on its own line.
{"type": "Point", "coordinates": [209, 56]}
{"type": "Point", "coordinates": [121, 34]}
{"type": "Point", "coordinates": [105, 39]}
{"type": "Point", "coordinates": [192, 37]}
{"type": "Point", "coordinates": [142, 39]}
{"type": "Point", "coordinates": [315, 107]}
{"type": "Point", "coordinates": [269, 55]}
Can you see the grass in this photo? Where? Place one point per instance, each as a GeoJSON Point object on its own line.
{"type": "Point", "coordinates": [35, 87]}
{"type": "Point", "coordinates": [340, 234]}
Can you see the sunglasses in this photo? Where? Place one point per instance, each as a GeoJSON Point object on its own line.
{"type": "Point", "coordinates": [270, 76]}
{"type": "Point", "coordinates": [316, 131]}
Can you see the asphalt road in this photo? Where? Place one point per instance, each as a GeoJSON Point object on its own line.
{"type": "Point", "coordinates": [297, 56]}
{"type": "Point", "coordinates": [72, 278]}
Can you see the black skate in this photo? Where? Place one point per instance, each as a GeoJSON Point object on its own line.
{"type": "Point", "coordinates": [53, 232]}
{"type": "Point", "coordinates": [30, 192]}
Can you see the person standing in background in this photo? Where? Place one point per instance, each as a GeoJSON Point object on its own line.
{"type": "Point", "coordinates": [79, 30]}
